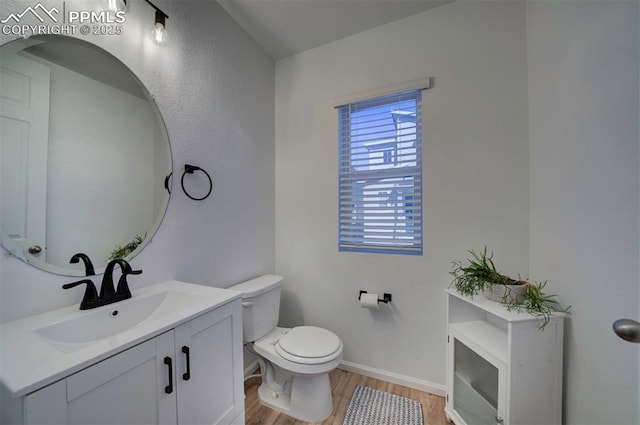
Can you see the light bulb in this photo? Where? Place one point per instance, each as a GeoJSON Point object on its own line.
{"type": "Point", "coordinates": [114, 5]}
{"type": "Point", "coordinates": [159, 33]}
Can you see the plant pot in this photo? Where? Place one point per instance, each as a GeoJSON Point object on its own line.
{"type": "Point", "coordinates": [505, 293]}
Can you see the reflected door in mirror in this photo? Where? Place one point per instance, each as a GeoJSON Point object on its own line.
{"type": "Point", "coordinates": [24, 127]}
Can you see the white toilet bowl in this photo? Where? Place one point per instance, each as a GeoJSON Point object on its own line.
{"type": "Point", "coordinates": [304, 350]}
{"type": "Point", "coordinates": [296, 371]}
{"type": "Point", "coordinates": [294, 362]}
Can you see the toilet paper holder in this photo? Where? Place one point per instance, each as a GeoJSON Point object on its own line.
{"type": "Point", "coordinates": [386, 298]}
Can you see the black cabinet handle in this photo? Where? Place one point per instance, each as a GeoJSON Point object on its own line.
{"type": "Point", "coordinates": [187, 375]}
{"type": "Point", "coordinates": [169, 388]}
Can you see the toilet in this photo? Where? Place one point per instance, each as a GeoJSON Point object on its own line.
{"type": "Point", "coordinates": [294, 362]}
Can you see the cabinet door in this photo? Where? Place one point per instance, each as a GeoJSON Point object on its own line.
{"type": "Point", "coordinates": [209, 367]}
{"type": "Point", "coordinates": [128, 388]}
{"type": "Point", "coordinates": [477, 384]}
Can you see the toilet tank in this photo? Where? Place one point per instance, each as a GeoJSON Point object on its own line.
{"type": "Point", "coordinates": [260, 305]}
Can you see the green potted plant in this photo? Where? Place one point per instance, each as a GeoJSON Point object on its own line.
{"type": "Point", "coordinates": [124, 251]}
{"type": "Point", "coordinates": [480, 275]}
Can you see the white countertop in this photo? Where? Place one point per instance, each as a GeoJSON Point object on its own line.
{"type": "Point", "coordinates": [497, 309]}
{"type": "Point", "coordinates": [29, 361]}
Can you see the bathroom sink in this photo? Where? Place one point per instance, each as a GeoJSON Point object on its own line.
{"type": "Point", "coordinates": [113, 319]}
{"type": "Point", "coordinates": [38, 350]}
{"type": "Point", "coordinates": [107, 321]}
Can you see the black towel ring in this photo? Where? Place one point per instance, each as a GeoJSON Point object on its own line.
{"type": "Point", "coordinates": [189, 169]}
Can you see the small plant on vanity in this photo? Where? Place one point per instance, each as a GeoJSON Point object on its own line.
{"type": "Point", "coordinates": [482, 276]}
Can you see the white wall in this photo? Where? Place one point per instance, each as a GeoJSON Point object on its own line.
{"type": "Point", "coordinates": [215, 88]}
{"type": "Point", "coordinates": [86, 145]}
{"type": "Point", "coordinates": [583, 100]}
{"type": "Point", "coordinates": [475, 177]}
{"type": "Point", "coordinates": [564, 206]}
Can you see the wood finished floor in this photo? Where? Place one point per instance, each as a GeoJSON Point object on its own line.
{"type": "Point", "coordinates": [343, 384]}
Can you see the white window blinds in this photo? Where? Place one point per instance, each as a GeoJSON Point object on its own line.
{"type": "Point", "coordinates": [380, 174]}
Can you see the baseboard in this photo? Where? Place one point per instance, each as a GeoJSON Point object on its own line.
{"type": "Point", "coordinates": [394, 378]}
{"type": "Point", "coordinates": [372, 372]}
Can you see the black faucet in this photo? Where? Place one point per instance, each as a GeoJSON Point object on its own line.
{"type": "Point", "coordinates": [88, 266]}
{"type": "Point", "coordinates": [122, 291]}
{"type": "Point", "coordinates": [123, 287]}
{"type": "Point", "coordinates": [108, 294]}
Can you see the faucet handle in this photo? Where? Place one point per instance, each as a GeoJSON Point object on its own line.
{"type": "Point", "coordinates": [90, 294]}
{"type": "Point", "coordinates": [122, 289]}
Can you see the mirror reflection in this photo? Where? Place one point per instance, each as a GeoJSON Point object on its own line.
{"type": "Point", "coordinates": [83, 155]}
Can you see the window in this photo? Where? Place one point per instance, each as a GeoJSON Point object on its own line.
{"type": "Point", "coordinates": [380, 174]}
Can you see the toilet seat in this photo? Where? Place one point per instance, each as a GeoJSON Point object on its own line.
{"type": "Point", "coordinates": [309, 345]}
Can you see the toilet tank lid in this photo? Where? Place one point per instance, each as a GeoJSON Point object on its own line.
{"type": "Point", "coordinates": [257, 286]}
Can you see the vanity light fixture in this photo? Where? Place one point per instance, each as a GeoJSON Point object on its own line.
{"type": "Point", "coordinates": [159, 30]}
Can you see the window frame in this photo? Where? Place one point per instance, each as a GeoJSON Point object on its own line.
{"type": "Point", "coordinates": [349, 178]}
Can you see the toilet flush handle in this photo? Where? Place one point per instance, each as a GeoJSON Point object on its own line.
{"type": "Point", "coordinates": [247, 304]}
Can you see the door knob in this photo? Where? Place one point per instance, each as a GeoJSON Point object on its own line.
{"type": "Point", "coordinates": [627, 329]}
{"type": "Point", "coordinates": [35, 249]}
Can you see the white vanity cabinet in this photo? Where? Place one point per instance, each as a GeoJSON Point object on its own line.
{"type": "Point", "coordinates": [214, 392]}
{"type": "Point", "coordinates": [191, 374]}
{"type": "Point", "coordinates": [501, 368]}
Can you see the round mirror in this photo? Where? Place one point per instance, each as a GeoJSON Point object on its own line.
{"type": "Point", "coordinates": [84, 155]}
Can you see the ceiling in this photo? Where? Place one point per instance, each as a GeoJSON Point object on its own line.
{"type": "Point", "coordinates": [286, 27]}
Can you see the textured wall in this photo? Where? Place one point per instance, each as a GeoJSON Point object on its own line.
{"type": "Point", "coordinates": [475, 177]}
{"type": "Point", "coordinates": [583, 101]}
{"type": "Point", "coordinates": [215, 88]}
